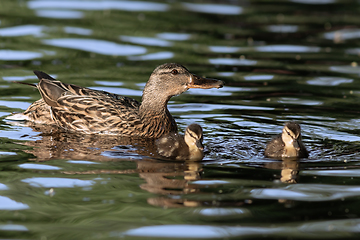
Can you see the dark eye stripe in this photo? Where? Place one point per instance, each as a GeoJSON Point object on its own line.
{"type": "Point", "coordinates": [191, 135]}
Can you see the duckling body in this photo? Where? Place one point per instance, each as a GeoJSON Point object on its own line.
{"type": "Point", "coordinates": [90, 111]}
{"type": "Point", "coordinates": [182, 147]}
{"type": "Point", "coordinates": [287, 144]}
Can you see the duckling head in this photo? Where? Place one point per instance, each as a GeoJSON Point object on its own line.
{"type": "Point", "coordinates": [193, 138]}
{"type": "Point", "coordinates": [171, 79]}
{"type": "Point", "coordinates": [291, 135]}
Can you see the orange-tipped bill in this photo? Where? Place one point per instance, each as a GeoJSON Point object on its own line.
{"type": "Point", "coordinates": [206, 83]}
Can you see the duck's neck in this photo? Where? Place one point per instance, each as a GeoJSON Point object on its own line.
{"type": "Point", "coordinates": [156, 118]}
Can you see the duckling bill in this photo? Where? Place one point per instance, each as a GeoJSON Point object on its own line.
{"type": "Point", "coordinates": [287, 144]}
{"type": "Point", "coordinates": [81, 109]}
{"type": "Point", "coordinates": [182, 147]}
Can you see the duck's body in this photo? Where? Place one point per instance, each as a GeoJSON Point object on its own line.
{"type": "Point", "coordinates": [182, 147]}
{"type": "Point", "coordinates": [90, 111]}
{"type": "Point", "coordinates": [288, 144]}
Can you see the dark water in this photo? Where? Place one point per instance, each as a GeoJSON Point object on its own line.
{"type": "Point", "coordinates": [281, 60]}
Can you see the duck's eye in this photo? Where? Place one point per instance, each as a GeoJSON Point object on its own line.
{"type": "Point", "coordinates": [174, 72]}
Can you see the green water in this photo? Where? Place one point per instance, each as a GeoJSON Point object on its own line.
{"type": "Point", "coordinates": [281, 61]}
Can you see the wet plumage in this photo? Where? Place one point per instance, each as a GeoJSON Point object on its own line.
{"type": "Point", "coordinates": [287, 144]}
{"type": "Point", "coordinates": [182, 147]}
{"type": "Point", "coordinates": [90, 111]}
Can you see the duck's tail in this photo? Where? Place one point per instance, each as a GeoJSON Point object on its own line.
{"type": "Point", "coordinates": [24, 83]}
{"type": "Point", "coordinates": [40, 75]}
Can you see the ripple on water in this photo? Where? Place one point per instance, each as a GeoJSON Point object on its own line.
{"type": "Point", "coordinates": [19, 78]}
{"type": "Point", "coordinates": [81, 162]}
{"type": "Point", "coordinates": [59, 14]}
{"type": "Point", "coordinates": [347, 69]}
{"type": "Point", "coordinates": [224, 211]}
{"type": "Point", "coordinates": [38, 166]}
{"type": "Point", "coordinates": [174, 36]}
{"type": "Point", "coordinates": [24, 30]}
{"type": "Point", "coordinates": [268, 48]}
{"type": "Point", "coordinates": [96, 46]}
{"type": "Point", "coordinates": [225, 91]}
{"type": "Point", "coordinates": [307, 192]}
{"type": "Point", "coordinates": [78, 30]}
{"type": "Point", "coordinates": [343, 34]}
{"type": "Point", "coordinates": [299, 101]}
{"type": "Point", "coordinates": [214, 8]}
{"type": "Point", "coordinates": [232, 61]}
{"type": "Point", "coordinates": [14, 55]}
{"type": "Point", "coordinates": [13, 227]}
{"type": "Point", "coordinates": [282, 28]}
{"type": "Point", "coordinates": [152, 56]}
{"type": "Point", "coordinates": [189, 107]}
{"type": "Point", "coordinates": [99, 5]}
{"type": "Point", "coordinates": [9, 204]}
{"type": "Point", "coordinates": [148, 41]}
{"type": "Point", "coordinates": [49, 182]}
{"type": "Point", "coordinates": [328, 81]}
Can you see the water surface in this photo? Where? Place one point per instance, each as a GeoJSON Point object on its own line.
{"type": "Point", "coordinates": [281, 61]}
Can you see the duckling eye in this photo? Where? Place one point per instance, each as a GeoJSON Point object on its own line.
{"type": "Point", "coordinates": [174, 72]}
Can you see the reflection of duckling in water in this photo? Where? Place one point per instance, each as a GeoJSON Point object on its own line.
{"type": "Point", "coordinates": [179, 147]}
{"type": "Point", "coordinates": [287, 144]}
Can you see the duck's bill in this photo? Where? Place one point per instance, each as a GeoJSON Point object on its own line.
{"type": "Point", "coordinates": [199, 145]}
{"type": "Point", "coordinates": [206, 83]}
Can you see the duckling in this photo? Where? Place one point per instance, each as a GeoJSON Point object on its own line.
{"type": "Point", "coordinates": [88, 111]}
{"type": "Point", "coordinates": [182, 147]}
{"type": "Point", "coordinates": [287, 144]}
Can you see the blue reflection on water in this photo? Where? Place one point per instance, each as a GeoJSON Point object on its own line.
{"type": "Point", "coordinates": [13, 55]}
{"type": "Point", "coordinates": [23, 30]}
{"type": "Point", "coordinates": [13, 227]}
{"type": "Point", "coordinates": [152, 56]}
{"type": "Point", "coordinates": [9, 204]}
{"type": "Point", "coordinates": [282, 28]}
{"type": "Point", "coordinates": [18, 78]}
{"type": "Point", "coordinates": [214, 8]}
{"type": "Point", "coordinates": [96, 46]}
{"type": "Point", "coordinates": [99, 5]}
{"type": "Point", "coordinates": [38, 166]}
{"type": "Point", "coordinates": [49, 182]}
{"type": "Point", "coordinates": [174, 36]}
{"type": "Point", "coordinates": [148, 41]}
{"type": "Point", "coordinates": [268, 48]}
{"type": "Point", "coordinates": [59, 14]}
{"type": "Point", "coordinates": [232, 61]}
{"type": "Point", "coordinates": [329, 81]}
{"type": "Point", "coordinates": [78, 30]}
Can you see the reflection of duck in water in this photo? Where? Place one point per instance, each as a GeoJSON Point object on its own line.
{"type": "Point", "coordinates": [179, 147]}
{"type": "Point", "coordinates": [90, 111]}
{"type": "Point", "coordinates": [287, 144]}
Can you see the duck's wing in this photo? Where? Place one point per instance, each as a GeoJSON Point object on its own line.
{"type": "Point", "coordinates": [82, 109]}
{"type": "Point", "coordinates": [275, 147]}
{"type": "Point", "coordinates": [172, 146]}
{"type": "Point", "coordinates": [51, 89]}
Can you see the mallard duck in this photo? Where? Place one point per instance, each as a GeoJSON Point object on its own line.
{"type": "Point", "coordinates": [90, 111]}
{"type": "Point", "coordinates": [182, 147]}
{"type": "Point", "coordinates": [287, 144]}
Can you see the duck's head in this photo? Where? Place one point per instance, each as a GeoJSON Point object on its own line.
{"type": "Point", "coordinates": [171, 79]}
{"type": "Point", "coordinates": [291, 135]}
{"type": "Point", "coordinates": [194, 137]}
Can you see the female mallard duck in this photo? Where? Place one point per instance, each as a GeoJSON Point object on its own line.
{"type": "Point", "coordinates": [90, 111]}
{"type": "Point", "coordinates": [182, 147]}
{"type": "Point", "coordinates": [287, 144]}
